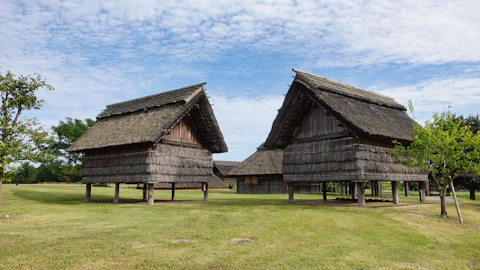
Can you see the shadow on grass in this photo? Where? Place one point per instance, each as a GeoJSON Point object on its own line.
{"type": "Point", "coordinates": [48, 197]}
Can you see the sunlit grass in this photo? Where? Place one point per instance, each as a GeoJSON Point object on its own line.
{"type": "Point", "coordinates": [50, 227]}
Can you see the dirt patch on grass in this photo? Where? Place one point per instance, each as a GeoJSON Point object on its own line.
{"type": "Point", "coordinates": [241, 241]}
{"type": "Point", "coordinates": [183, 241]}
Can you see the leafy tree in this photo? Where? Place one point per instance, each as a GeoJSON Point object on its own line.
{"type": "Point", "coordinates": [443, 148]}
{"type": "Point", "coordinates": [26, 173]}
{"type": "Point", "coordinates": [471, 182]}
{"type": "Point", "coordinates": [21, 138]}
{"type": "Point", "coordinates": [68, 132]}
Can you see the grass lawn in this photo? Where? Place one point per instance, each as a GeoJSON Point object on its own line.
{"type": "Point", "coordinates": [50, 227]}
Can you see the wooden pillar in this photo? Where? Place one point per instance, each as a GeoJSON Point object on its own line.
{"type": "Point", "coordinates": [117, 192]}
{"type": "Point", "coordinates": [173, 191]}
{"type": "Point", "coordinates": [340, 187]}
{"type": "Point", "coordinates": [407, 188]}
{"type": "Point", "coordinates": [151, 198]}
{"type": "Point", "coordinates": [88, 192]}
{"type": "Point", "coordinates": [372, 183]}
{"type": "Point", "coordinates": [205, 191]}
{"type": "Point", "coordinates": [290, 193]}
{"type": "Point", "coordinates": [380, 189]}
{"type": "Point", "coordinates": [144, 191]}
{"type": "Point", "coordinates": [395, 192]}
{"type": "Point", "coordinates": [421, 191]}
{"type": "Point", "coordinates": [352, 190]}
{"type": "Point", "coordinates": [324, 190]}
{"type": "Point", "coordinates": [361, 194]}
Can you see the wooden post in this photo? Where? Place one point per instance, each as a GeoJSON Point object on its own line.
{"type": "Point", "coordinates": [395, 192]}
{"type": "Point", "coordinates": [340, 187]}
{"type": "Point", "coordinates": [324, 190]}
{"type": "Point", "coordinates": [407, 188]}
{"type": "Point", "coordinates": [144, 191]}
{"type": "Point", "coordinates": [452, 187]}
{"type": "Point", "coordinates": [290, 193]}
{"type": "Point", "coordinates": [117, 192]}
{"type": "Point", "coordinates": [173, 191]}
{"type": "Point", "coordinates": [205, 191]}
{"type": "Point", "coordinates": [380, 189]}
{"type": "Point", "coordinates": [361, 194]}
{"type": "Point", "coordinates": [151, 198]}
{"type": "Point", "coordinates": [88, 192]}
{"type": "Point", "coordinates": [352, 190]}
{"type": "Point", "coordinates": [421, 191]}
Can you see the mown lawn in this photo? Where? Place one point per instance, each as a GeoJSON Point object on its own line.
{"type": "Point", "coordinates": [50, 227]}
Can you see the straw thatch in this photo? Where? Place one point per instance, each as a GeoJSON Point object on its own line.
{"type": "Point", "coordinates": [332, 131]}
{"type": "Point", "coordinates": [224, 166]}
{"type": "Point", "coordinates": [150, 118]}
{"type": "Point", "coordinates": [163, 138]}
{"type": "Point", "coordinates": [215, 183]}
{"type": "Point", "coordinates": [262, 162]}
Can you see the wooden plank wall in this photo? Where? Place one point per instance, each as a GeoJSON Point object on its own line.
{"type": "Point", "coordinates": [181, 133]}
{"type": "Point", "coordinates": [319, 123]}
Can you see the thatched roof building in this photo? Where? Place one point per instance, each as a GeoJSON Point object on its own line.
{"type": "Point", "coordinates": [331, 131]}
{"type": "Point", "coordinates": [222, 167]}
{"type": "Point", "coordinates": [260, 173]}
{"type": "Point", "coordinates": [163, 138]}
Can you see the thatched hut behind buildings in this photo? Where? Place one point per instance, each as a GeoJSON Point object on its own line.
{"type": "Point", "coordinates": [164, 138]}
{"type": "Point", "coordinates": [222, 167]}
{"type": "Point", "coordinates": [331, 131]}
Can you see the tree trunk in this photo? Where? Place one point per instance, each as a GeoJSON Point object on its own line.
{"type": "Point", "coordinates": [443, 209]}
{"type": "Point", "coordinates": [1, 182]}
{"type": "Point", "coordinates": [472, 193]}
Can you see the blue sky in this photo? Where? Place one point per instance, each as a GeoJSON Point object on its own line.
{"type": "Point", "coordinates": [100, 52]}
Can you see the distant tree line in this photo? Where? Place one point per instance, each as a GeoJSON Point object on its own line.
{"type": "Point", "coordinates": [64, 166]}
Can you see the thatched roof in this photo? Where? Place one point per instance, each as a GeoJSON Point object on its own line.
{"type": "Point", "coordinates": [149, 119]}
{"type": "Point", "coordinates": [224, 166]}
{"type": "Point", "coordinates": [262, 162]}
{"type": "Point", "coordinates": [365, 113]}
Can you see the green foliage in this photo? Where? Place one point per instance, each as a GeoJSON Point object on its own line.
{"type": "Point", "coordinates": [444, 148]}
{"type": "Point", "coordinates": [68, 132]}
{"type": "Point", "coordinates": [26, 173]}
{"type": "Point", "coordinates": [20, 138]}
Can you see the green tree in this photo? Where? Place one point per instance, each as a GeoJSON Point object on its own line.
{"type": "Point", "coordinates": [68, 131]}
{"type": "Point", "coordinates": [21, 138]}
{"type": "Point", "coordinates": [445, 149]}
{"type": "Point", "coordinates": [470, 182]}
{"type": "Point", "coordinates": [26, 173]}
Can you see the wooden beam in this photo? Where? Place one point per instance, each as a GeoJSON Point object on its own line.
{"type": "Point", "coordinates": [173, 191]}
{"type": "Point", "coordinates": [151, 198]}
{"type": "Point", "coordinates": [407, 188]}
{"type": "Point", "coordinates": [421, 191]}
{"type": "Point", "coordinates": [395, 192]}
{"type": "Point", "coordinates": [380, 189]}
{"type": "Point", "coordinates": [361, 194]}
{"type": "Point", "coordinates": [205, 191]}
{"type": "Point", "coordinates": [144, 191]}
{"type": "Point", "coordinates": [290, 193]}
{"type": "Point", "coordinates": [330, 136]}
{"type": "Point", "coordinates": [117, 192]}
{"type": "Point", "coordinates": [372, 183]}
{"type": "Point", "coordinates": [88, 193]}
{"type": "Point", "coordinates": [340, 187]}
{"type": "Point", "coordinates": [324, 190]}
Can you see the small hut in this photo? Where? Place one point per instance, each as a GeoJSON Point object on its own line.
{"type": "Point", "coordinates": [221, 169]}
{"type": "Point", "coordinates": [331, 131]}
{"type": "Point", "coordinates": [163, 138]}
{"type": "Point", "coordinates": [260, 173]}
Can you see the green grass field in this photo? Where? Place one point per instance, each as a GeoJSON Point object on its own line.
{"type": "Point", "coordinates": [50, 227]}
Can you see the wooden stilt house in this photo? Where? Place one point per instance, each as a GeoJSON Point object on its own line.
{"type": "Point", "coordinates": [164, 138]}
{"type": "Point", "coordinates": [331, 131]}
{"type": "Point", "coordinates": [221, 169]}
{"type": "Point", "coordinates": [260, 173]}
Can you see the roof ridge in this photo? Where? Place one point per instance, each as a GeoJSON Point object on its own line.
{"type": "Point", "coordinates": [154, 95]}
{"type": "Point", "coordinates": [375, 97]}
